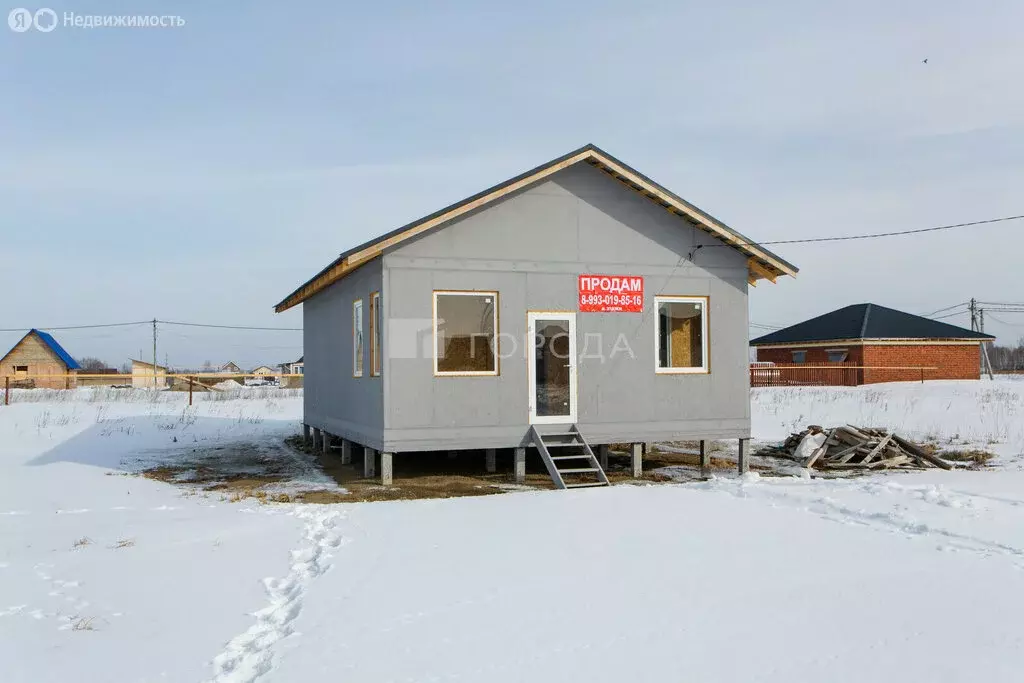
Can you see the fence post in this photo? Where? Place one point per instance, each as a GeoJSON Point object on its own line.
{"type": "Point", "coordinates": [922, 374]}
{"type": "Point", "coordinates": [190, 390]}
{"type": "Point", "coordinates": [7, 390]}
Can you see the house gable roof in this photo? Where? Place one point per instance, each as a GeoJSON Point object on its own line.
{"type": "Point", "coordinates": [52, 344]}
{"type": "Point", "coordinates": [867, 321]}
{"type": "Point", "coordinates": [762, 264]}
{"type": "Point", "coordinates": [159, 368]}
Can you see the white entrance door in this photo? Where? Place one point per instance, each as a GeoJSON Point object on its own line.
{"type": "Point", "coordinates": [551, 367]}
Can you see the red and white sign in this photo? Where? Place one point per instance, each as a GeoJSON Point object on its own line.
{"type": "Point", "coordinates": [611, 293]}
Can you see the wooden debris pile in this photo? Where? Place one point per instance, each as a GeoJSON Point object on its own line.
{"type": "Point", "coordinates": [853, 448]}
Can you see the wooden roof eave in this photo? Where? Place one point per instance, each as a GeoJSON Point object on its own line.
{"type": "Point", "coordinates": [698, 218]}
{"type": "Point", "coordinates": [761, 264]}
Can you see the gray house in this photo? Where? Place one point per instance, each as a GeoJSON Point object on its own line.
{"type": "Point", "coordinates": [576, 305]}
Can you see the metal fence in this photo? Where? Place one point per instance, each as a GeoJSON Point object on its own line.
{"type": "Point", "coordinates": [187, 382]}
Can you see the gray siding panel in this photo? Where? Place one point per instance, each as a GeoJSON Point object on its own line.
{"type": "Point", "coordinates": [530, 248]}
{"type": "Point", "coordinates": [336, 401]}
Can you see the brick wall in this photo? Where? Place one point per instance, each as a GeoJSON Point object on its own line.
{"type": "Point", "coordinates": [953, 362]}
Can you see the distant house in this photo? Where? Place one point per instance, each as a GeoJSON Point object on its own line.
{"type": "Point", "coordinates": [145, 377]}
{"type": "Point", "coordinates": [230, 368]}
{"type": "Point", "coordinates": [37, 360]}
{"type": "Point", "coordinates": [296, 367]}
{"type": "Point", "coordinates": [262, 371]}
{"type": "Point", "coordinates": [884, 344]}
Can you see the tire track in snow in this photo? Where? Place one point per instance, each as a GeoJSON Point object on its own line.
{"type": "Point", "coordinates": [250, 655]}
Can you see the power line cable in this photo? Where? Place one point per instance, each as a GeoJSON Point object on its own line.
{"type": "Point", "coordinates": [949, 315]}
{"type": "Point", "coordinates": [947, 308]}
{"type": "Point", "coordinates": [230, 327]}
{"type": "Point", "coordinates": [1000, 321]}
{"type": "Point", "coordinates": [875, 235]}
{"type": "Point", "coordinates": [843, 238]}
{"type": "Point", "coordinates": [76, 327]}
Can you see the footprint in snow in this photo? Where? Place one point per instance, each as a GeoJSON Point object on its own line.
{"type": "Point", "coordinates": [72, 512]}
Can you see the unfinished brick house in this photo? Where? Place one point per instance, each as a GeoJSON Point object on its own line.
{"type": "Point", "coordinates": [38, 361]}
{"type": "Point", "coordinates": [878, 344]}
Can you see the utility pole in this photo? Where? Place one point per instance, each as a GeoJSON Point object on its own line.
{"type": "Point", "coordinates": [978, 325]}
{"type": "Point", "coordinates": [154, 354]}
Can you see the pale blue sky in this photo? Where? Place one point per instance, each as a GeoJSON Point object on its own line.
{"type": "Point", "coordinates": [201, 173]}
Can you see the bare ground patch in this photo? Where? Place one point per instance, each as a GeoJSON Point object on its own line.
{"type": "Point", "coordinates": [295, 472]}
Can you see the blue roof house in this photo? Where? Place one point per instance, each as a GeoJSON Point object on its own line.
{"type": "Point", "coordinates": [39, 361]}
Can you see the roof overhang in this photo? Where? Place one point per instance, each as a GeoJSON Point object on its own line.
{"type": "Point", "coordinates": [761, 263]}
{"type": "Point", "coordinates": [951, 341]}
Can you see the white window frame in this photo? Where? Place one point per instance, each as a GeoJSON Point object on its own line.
{"type": "Point", "coordinates": [705, 302]}
{"type": "Point", "coordinates": [376, 362]}
{"type": "Point", "coordinates": [357, 361]}
{"type": "Point", "coordinates": [843, 351]}
{"type": "Point", "coordinates": [497, 335]}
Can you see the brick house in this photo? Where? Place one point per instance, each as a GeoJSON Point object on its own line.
{"type": "Point", "coordinates": [889, 345]}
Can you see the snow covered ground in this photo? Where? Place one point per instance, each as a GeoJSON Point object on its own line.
{"type": "Point", "coordinates": [986, 414]}
{"type": "Point", "coordinates": [109, 577]}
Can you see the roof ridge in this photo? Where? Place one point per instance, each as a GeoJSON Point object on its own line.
{"type": "Point", "coordinates": [864, 325]}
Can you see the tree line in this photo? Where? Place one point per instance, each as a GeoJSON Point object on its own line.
{"type": "Point", "coordinates": [1007, 358]}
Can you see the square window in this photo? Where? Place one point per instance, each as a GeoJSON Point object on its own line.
{"type": "Point", "coordinates": [799, 356]}
{"type": "Point", "coordinates": [465, 333]}
{"type": "Point", "coordinates": [837, 355]}
{"type": "Point", "coordinates": [681, 334]}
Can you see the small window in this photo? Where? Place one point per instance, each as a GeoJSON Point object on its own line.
{"type": "Point", "coordinates": [21, 368]}
{"type": "Point", "coordinates": [375, 317]}
{"type": "Point", "coordinates": [682, 334]}
{"type": "Point", "coordinates": [357, 338]}
{"type": "Point", "coordinates": [465, 333]}
{"type": "Point", "coordinates": [799, 356]}
{"type": "Point", "coordinates": [837, 355]}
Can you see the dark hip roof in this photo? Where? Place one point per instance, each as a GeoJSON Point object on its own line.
{"type": "Point", "coordinates": [867, 321]}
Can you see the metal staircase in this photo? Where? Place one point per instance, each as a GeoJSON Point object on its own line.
{"type": "Point", "coordinates": [569, 458]}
